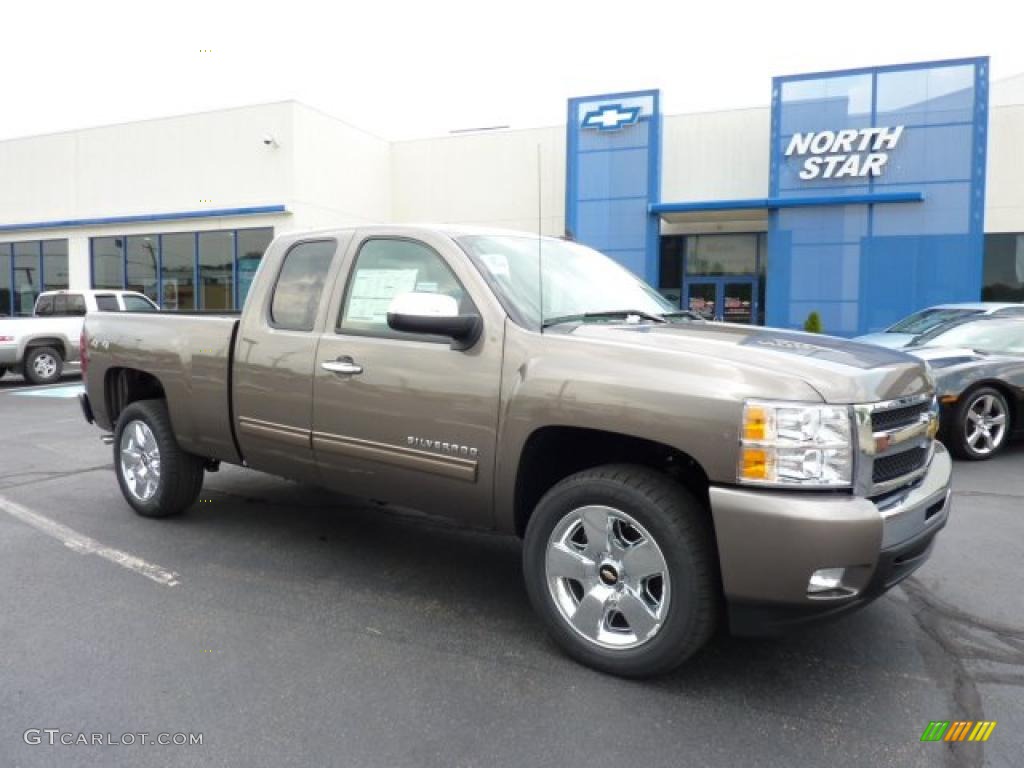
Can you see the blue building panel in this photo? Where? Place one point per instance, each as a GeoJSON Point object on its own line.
{"type": "Point", "coordinates": [918, 128]}
{"type": "Point", "coordinates": [613, 163]}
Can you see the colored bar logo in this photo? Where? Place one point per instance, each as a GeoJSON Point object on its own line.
{"type": "Point", "coordinates": [958, 730]}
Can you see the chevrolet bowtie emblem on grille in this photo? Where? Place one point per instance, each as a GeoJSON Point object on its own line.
{"type": "Point", "coordinates": [611, 117]}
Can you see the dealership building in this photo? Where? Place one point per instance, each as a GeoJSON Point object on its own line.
{"type": "Point", "coordinates": [861, 195]}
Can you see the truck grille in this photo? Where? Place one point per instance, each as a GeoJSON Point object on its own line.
{"type": "Point", "coordinates": [894, 418]}
{"type": "Point", "coordinates": [898, 464]}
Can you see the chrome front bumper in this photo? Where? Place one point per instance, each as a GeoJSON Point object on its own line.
{"type": "Point", "coordinates": [770, 542]}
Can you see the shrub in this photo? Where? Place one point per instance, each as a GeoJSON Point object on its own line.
{"type": "Point", "coordinates": [813, 323]}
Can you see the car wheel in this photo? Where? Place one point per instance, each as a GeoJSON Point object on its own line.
{"type": "Point", "coordinates": [981, 424]}
{"type": "Point", "coordinates": [619, 564]}
{"type": "Point", "coordinates": [3, 370]}
{"type": "Point", "coordinates": [43, 365]}
{"type": "Point", "coordinates": [156, 476]}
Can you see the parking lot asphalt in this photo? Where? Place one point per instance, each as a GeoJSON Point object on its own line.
{"type": "Point", "coordinates": [311, 629]}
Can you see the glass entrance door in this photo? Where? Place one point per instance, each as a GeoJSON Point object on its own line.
{"type": "Point", "coordinates": [725, 299]}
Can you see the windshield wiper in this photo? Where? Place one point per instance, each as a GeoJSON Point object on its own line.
{"type": "Point", "coordinates": [607, 313]}
{"type": "Point", "coordinates": [687, 314]}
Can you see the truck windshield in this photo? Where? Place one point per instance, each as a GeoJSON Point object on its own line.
{"type": "Point", "coordinates": [578, 282]}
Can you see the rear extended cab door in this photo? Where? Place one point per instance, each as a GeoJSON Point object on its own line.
{"type": "Point", "coordinates": [408, 419]}
{"type": "Point", "coordinates": [275, 353]}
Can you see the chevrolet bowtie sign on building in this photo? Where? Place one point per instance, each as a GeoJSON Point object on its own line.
{"type": "Point", "coordinates": [611, 117]}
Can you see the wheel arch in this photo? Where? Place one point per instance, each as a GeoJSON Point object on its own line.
{"type": "Point", "coordinates": [56, 342]}
{"type": "Point", "coordinates": [124, 386]}
{"type": "Point", "coordinates": [552, 453]}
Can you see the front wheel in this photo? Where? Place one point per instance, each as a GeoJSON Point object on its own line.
{"type": "Point", "coordinates": [156, 476]}
{"type": "Point", "coordinates": [981, 424]}
{"type": "Point", "coordinates": [43, 365]}
{"type": "Point", "coordinates": [619, 564]}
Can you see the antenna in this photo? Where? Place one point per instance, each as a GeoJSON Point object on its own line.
{"type": "Point", "coordinates": [540, 242]}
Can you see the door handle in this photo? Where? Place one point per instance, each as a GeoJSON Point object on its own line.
{"type": "Point", "coordinates": [342, 365]}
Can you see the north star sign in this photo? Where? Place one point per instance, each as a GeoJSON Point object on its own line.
{"type": "Point", "coordinates": [846, 153]}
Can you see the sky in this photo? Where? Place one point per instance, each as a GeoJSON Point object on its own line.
{"type": "Point", "coordinates": [412, 69]}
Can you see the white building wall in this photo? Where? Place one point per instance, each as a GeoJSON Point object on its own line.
{"type": "Point", "coordinates": [342, 174]}
{"type": "Point", "coordinates": [715, 155]}
{"type": "Point", "coordinates": [486, 179]}
{"type": "Point", "coordinates": [1004, 187]}
{"type": "Point", "coordinates": [186, 163]}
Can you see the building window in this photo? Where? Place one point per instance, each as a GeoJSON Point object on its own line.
{"type": "Point", "coordinates": [1004, 268]}
{"type": "Point", "coordinates": [178, 270]}
{"type": "Point", "coordinates": [721, 255]}
{"type": "Point", "coordinates": [142, 264]}
{"type": "Point", "coordinates": [55, 265]}
{"type": "Point", "coordinates": [27, 269]}
{"type": "Point", "coordinates": [216, 269]}
{"type": "Point", "coordinates": [251, 244]}
{"type": "Point", "coordinates": [182, 270]}
{"type": "Point", "coordinates": [670, 268]}
{"type": "Point", "coordinates": [5, 280]}
{"type": "Point", "coordinates": [108, 262]}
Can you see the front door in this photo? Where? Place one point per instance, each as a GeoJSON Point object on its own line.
{"type": "Point", "coordinates": [725, 299]}
{"type": "Point", "coordinates": [405, 418]}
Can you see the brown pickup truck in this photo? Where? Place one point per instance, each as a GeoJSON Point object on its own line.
{"type": "Point", "coordinates": [668, 476]}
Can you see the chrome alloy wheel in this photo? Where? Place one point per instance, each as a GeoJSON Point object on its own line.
{"type": "Point", "coordinates": [986, 424]}
{"type": "Point", "coordinates": [45, 365]}
{"type": "Point", "coordinates": [608, 577]}
{"type": "Point", "coordinates": [140, 460]}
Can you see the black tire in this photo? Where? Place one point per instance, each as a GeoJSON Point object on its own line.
{"type": "Point", "coordinates": [679, 526]}
{"type": "Point", "coordinates": [3, 371]}
{"type": "Point", "coordinates": [43, 365]}
{"type": "Point", "coordinates": [180, 476]}
{"type": "Point", "coordinates": [961, 426]}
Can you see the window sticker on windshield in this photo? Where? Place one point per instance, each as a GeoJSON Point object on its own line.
{"type": "Point", "coordinates": [497, 264]}
{"type": "Point", "coordinates": [425, 287]}
{"type": "Point", "coordinates": [373, 290]}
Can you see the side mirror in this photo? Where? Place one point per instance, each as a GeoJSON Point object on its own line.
{"type": "Point", "coordinates": [435, 314]}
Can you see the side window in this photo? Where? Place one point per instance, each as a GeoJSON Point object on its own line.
{"type": "Point", "coordinates": [76, 304]}
{"type": "Point", "coordinates": [300, 285]}
{"type": "Point", "coordinates": [44, 307]}
{"type": "Point", "coordinates": [385, 268]}
{"type": "Point", "coordinates": [106, 302]}
{"type": "Point", "coordinates": [137, 304]}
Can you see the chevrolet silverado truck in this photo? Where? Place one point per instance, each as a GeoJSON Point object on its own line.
{"type": "Point", "coordinates": [39, 346]}
{"type": "Point", "coordinates": [667, 476]}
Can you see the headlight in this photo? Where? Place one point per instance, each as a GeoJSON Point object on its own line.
{"type": "Point", "coordinates": [795, 444]}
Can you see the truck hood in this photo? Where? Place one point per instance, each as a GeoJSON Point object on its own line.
{"type": "Point", "coordinates": [841, 371]}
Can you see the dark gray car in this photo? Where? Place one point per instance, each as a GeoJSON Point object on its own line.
{"type": "Point", "coordinates": [979, 371]}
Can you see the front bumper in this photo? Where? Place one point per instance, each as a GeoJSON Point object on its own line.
{"type": "Point", "coordinates": [770, 542]}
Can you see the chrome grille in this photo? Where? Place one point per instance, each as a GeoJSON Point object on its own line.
{"type": "Point", "coordinates": [894, 443]}
{"type": "Point", "coordinates": [888, 468]}
{"type": "Point", "coordinates": [894, 418]}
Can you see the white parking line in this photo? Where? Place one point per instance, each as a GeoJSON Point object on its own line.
{"type": "Point", "coordinates": [84, 545]}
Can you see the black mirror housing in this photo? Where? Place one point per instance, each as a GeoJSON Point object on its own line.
{"type": "Point", "coordinates": [463, 330]}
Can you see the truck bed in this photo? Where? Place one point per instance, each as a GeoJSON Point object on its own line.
{"type": "Point", "coordinates": [188, 353]}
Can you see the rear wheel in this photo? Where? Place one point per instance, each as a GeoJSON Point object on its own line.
{"type": "Point", "coordinates": [3, 370]}
{"type": "Point", "coordinates": [156, 476]}
{"type": "Point", "coordinates": [619, 564]}
{"type": "Point", "coordinates": [43, 365]}
{"type": "Point", "coordinates": [981, 424]}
